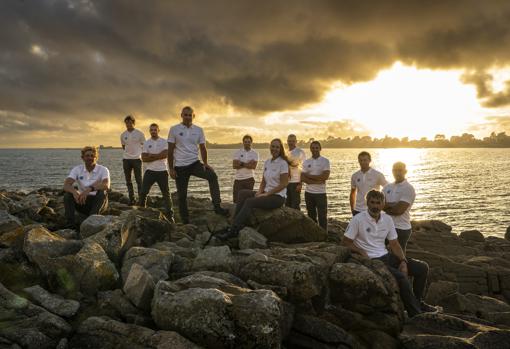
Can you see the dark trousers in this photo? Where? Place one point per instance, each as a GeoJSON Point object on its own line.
{"type": "Point", "coordinates": [95, 204]}
{"type": "Point", "coordinates": [196, 169]}
{"type": "Point", "coordinates": [161, 177]}
{"type": "Point", "coordinates": [240, 184]}
{"type": "Point", "coordinates": [293, 197]}
{"type": "Point", "coordinates": [134, 165]}
{"type": "Point", "coordinates": [419, 271]}
{"type": "Point", "coordinates": [317, 207]}
{"type": "Point", "coordinates": [248, 201]}
{"type": "Point", "coordinates": [403, 237]}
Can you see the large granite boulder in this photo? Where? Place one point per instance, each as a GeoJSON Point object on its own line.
{"type": "Point", "coordinates": [286, 225]}
{"type": "Point", "coordinates": [218, 314]}
{"type": "Point", "coordinates": [106, 333]}
{"type": "Point", "coordinates": [16, 272]}
{"type": "Point", "coordinates": [28, 325]}
{"type": "Point", "coordinates": [8, 222]}
{"type": "Point", "coordinates": [109, 238]}
{"type": "Point", "coordinates": [156, 262]}
{"type": "Point", "coordinates": [94, 224]}
{"type": "Point", "coordinates": [139, 287]}
{"type": "Point", "coordinates": [250, 238]}
{"type": "Point", "coordinates": [72, 267]}
{"type": "Point", "coordinates": [52, 302]}
{"type": "Point", "coordinates": [144, 227]}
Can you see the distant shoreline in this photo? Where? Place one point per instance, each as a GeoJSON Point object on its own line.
{"type": "Point", "coordinates": [234, 147]}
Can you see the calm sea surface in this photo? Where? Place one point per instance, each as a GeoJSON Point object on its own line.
{"type": "Point", "coordinates": [466, 188]}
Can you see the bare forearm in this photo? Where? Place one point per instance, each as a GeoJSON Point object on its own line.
{"type": "Point", "coordinates": [352, 199]}
{"type": "Point", "coordinates": [353, 248]}
{"type": "Point", "coordinates": [203, 153]}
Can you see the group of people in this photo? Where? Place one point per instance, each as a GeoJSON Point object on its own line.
{"type": "Point", "coordinates": [381, 218]}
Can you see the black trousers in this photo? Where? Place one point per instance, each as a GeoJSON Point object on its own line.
{"type": "Point", "coordinates": [403, 237]}
{"type": "Point", "coordinates": [161, 177]}
{"type": "Point", "coordinates": [95, 204]}
{"type": "Point", "coordinates": [196, 169]}
{"type": "Point", "coordinates": [419, 271]}
{"type": "Point", "coordinates": [247, 202]}
{"type": "Point", "coordinates": [134, 165]}
{"type": "Point", "coordinates": [240, 184]}
{"type": "Point", "coordinates": [293, 197]}
{"type": "Point", "coordinates": [317, 207]}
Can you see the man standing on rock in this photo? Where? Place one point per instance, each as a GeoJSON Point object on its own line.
{"type": "Point", "coordinates": [132, 142]}
{"type": "Point", "coordinates": [296, 158]}
{"type": "Point", "coordinates": [366, 235]}
{"type": "Point", "coordinates": [362, 181]}
{"type": "Point", "coordinates": [400, 197]}
{"type": "Point", "coordinates": [184, 141]}
{"type": "Point", "coordinates": [314, 174]}
{"type": "Point", "coordinates": [155, 154]}
{"type": "Point", "coordinates": [244, 162]}
{"type": "Point", "coordinates": [93, 181]}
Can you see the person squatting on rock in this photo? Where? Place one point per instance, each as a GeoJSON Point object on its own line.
{"type": "Point", "coordinates": [245, 162]}
{"type": "Point", "coordinates": [132, 142]}
{"type": "Point", "coordinates": [271, 193]}
{"type": "Point", "coordinates": [362, 181]}
{"type": "Point", "coordinates": [93, 181]}
{"type": "Point", "coordinates": [314, 174]}
{"type": "Point", "coordinates": [366, 235]}
{"type": "Point", "coordinates": [154, 155]}
{"type": "Point", "coordinates": [296, 157]}
{"type": "Point", "coordinates": [400, 197]}
{"type": "Point", "coordinates": [184, 140]}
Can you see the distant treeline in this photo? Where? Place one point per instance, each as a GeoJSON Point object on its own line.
{"type": "Point", "coordinates": [466, 140]}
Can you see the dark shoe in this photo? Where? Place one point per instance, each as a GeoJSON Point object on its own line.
{"type": "Point", "coordinates": [221, 211]}
{"type": "Point", "coordinates": [228, 233]}
{"type": "Point", "coordinates": [427, 308]}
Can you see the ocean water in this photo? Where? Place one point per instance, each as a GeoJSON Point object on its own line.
{"type": "Point", "coordinates": [466, 188]}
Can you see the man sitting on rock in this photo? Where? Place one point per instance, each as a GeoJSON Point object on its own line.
{"type": "Point", "coordinates": [93, 181]}
{"type": "Point", "coordinates": [366, 235]}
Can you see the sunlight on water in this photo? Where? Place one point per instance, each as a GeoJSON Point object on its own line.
{"type": "Point", "coordinates": [466, 188]}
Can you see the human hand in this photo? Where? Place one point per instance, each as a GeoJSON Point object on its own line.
{"type": "Point", "coordinates": [403, 267]}
{"type": "Point", "coordinates": [173, 174]}
{"type": "Point", "coordinates": [207, 166]}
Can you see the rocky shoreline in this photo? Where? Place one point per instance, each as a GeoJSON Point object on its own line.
{"type": "Point", "coordinates": [130, 279]}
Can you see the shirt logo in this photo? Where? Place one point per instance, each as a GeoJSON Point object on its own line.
{"type": "Point", "coordinates": [357, 180]}
{"type": "Point", "coordinates": [242, 155]}
{"type": "Point", "coordinates": [150, 146]}
{"type": "Point", "coordinates": [309, 165]}
{"type": "Point", "coordinates": [265, 169]}
{"type": "Point", "coordinates": [369, 230]}
{"type": "Point", "coordinates": [180, 133]}
{"type": "Point", "coordinates": [125, 138]}
{"type": "Point", "coordinates": [388, 191]}
{"type": "Point", "coordinates": [81, 177]}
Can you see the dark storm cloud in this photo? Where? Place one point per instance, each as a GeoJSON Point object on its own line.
{"type": "Point", "coordinates": [489, 98]}
{"type": "Point", "coordinates": [83, 59]}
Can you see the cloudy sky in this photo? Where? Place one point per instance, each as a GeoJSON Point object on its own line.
{"type": "Point", "coordinates": [71, 70]}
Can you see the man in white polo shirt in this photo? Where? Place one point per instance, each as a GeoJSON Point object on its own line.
{"type": "Point", "coordinates": [400, 197]}
{"type": "Point", "coordinates": [132, 143]}
{"type": "Point", "coordinates": [314, 174]}
{"type": "Point", "coordinates": [92, 181]}
{"type": "Point", "coordinates": [154, 155]}
{"type": "Point", "coordinates": [184, 141]}
{"type": "Point", "coordinates": [245, 162]}
{"type": "Point", "coordinates": [366, 235]}
{"type": "Point", "coordinates": [363, 181]}
{"type": "Point", "coordinates": [296, 157]}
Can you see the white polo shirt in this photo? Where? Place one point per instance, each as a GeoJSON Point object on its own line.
{"type": "Point", "coordinates": [85, 178]}
{"type": "Point", "coordinates": [296, 157]}
{"type": "Point", "coordinates": [403, 191]}
{"type": "Point", "coordinates": [152, 146]}
{"type": "Point", "coordinates": [186, 141]}
{"type": "Point", "coordinates": [245, 156]}
{"type": "Point", "coordinates": [369, 235]}
{"type": "Point", "coordinates": [272, 171]}
{"type": "Point", "coordinates": [364, 182]}
{"type": "Point", "coordinates": [133, 143]}
{"type": "Point", "coordinates": [315, 167]}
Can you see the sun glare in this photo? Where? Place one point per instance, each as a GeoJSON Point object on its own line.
{"type": "Point", "coordinates": [406, 101]}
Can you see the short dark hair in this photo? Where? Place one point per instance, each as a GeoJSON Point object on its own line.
{"type": "Point", "coordinates": [365, 153]}
{"type": "Point", "coordinates": [292, 135]}
{"type": "Point", "coordinates": [316, 142]}
{"type": "Point", "coordinates": [154, 124]}
{"type": "Point", "coordinates": [375, 194]}
{"type": "Point", "coordinates": [129, 117]}
{"type": "Point", "coordinates": [247, 136]}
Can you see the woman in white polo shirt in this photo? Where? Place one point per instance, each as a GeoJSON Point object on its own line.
{"type": "Point", "coordinates": [271, 194]}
